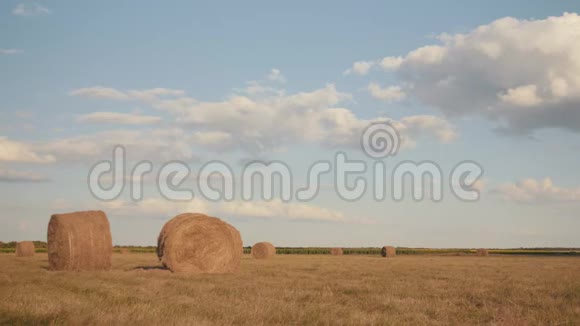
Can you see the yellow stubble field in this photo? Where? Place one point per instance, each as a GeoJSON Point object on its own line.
{"type": "Point", "coordinates": [299, 289]}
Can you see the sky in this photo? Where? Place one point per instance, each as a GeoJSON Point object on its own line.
{"type": "Point", "coordinates": [490, 82]}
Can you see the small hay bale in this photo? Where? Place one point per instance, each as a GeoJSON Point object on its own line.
{"type": "Point", "coordinates": [482, 252]}
{"type": "Point", "coordinates": [124, 251]}
{"type": "Point", "coordinates": [25, 249]}
{"type": "Point", "coordinates": [388, 251]}
{"type": "Point", "coordinates": [263, 250]}
{"type": "Point", "coordinates": [197, 243]}
{"type": "Point", "coordinates": [80, 241]}
{"type": "Point", "coordinates": [336, 251]}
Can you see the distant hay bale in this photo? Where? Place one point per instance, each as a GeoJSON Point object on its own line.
{"type": "Point", "coordinates": [336, 251]}
{"type": "Point", "coordinates": [124, 251]}
{"type": "Point", "coordinates": [482, 252]}
{"type": "Point", "coordinates": [80, 241]}
{"type": "Point", "coordinates": [197, 243]}
{"type": "Point", "coordinates": [263, 250]}
{"type": "Point", "coordinates": [25, 249]}
{"type": "Point", "coordinates": [388, 251]}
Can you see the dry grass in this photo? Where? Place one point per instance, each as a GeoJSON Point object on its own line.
{"type": "Point", "coordinates": [351, 290]}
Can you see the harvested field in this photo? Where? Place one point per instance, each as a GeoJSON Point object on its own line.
{"type": "Point", "coordinates": [299, 289]}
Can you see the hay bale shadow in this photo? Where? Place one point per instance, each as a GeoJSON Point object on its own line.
{"type": "Point", "coordinates": [149, 268]}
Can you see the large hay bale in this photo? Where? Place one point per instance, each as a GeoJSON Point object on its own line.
{"type": "Point", "coordinates": [197, 243]}
{"type": "Point", "coordinates": [263, 250]}
{"type": "Point", "coordinates": [336, 251]}
{"type": "Point", "coordinates": [80, 241]}
{"type": "Point", "coordinates": [25, 249]}
{"type": "Point", "coordinates": [388, 251]}
{"type": "Point", "coordinates": [482, 252]}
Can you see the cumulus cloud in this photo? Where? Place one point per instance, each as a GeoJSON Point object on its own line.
{"type": "Point", "coordinates": [14, 151]}
{"type": "Point", "coordinates": [391, 63]}
{"type": "Point", "coordinates": [360, 68]}
{"type": "Point", "coordinates": [275, 209]}
{"type": "Point", "coordinates": [524, 74]}
{"type": "Point", "coordinates": [258, 122]}
{"type": "Point", "coordinates": [20, 177]}
{"type": "Point", "coordinates": [150, 144]}
{"type": "Point", "coordinates": [391, 93]}
{"type": "Point", "coordinates": [119, 118]}
{"type": "Point", "coordinates": [10, 51]}
{"type": "Point", "coordinates": [212, 138]}
{"type": "Point", "coordinates": [153, 207]}
{"type": "Point", "coordinates": [532, 191]}
{"type": "Point", "coordinates": [114, 94]}
{"type": "Point", "coordinates": [34, 9]}
{"type": "Point", "coordinates": [276, 75]}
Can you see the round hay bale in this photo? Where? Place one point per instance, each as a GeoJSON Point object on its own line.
{"type": "Point", "coordinates": [80, 241]}
{"type": "Point", "coordinates": [482, 252]}
{"type": "Point", "coordinates": [336, 251]}
{"type": "Point", "coordinates": [263, 250]}
{"type": "Point", "coordinates": [25, 249]}
{"type": "Point", "coordinates": [388, 251]}
{"type": "Point", "coordinates": [197, 243]}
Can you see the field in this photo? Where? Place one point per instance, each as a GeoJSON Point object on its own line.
{"type": "Point", "coordinates": [299, 289]}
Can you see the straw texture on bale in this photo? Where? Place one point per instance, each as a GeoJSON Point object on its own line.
{"type": "Point", "coordinates": [481, 252]}
{"type": "Point", "coordinates": [80, 241]}
{"type": "Point", "coordinates": [336, 251]}
{"type": "Point", "coordinates": [263, 250]}
{"type": "Point", "coordinates": [388, 251]}
{"type": "Point", "coordinates": [197, 243]}
{"type": "Point", "coordinates": [25, 249]}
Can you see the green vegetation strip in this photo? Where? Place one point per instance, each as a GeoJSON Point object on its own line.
{"type": "Point", "coordinates": [41, 248]}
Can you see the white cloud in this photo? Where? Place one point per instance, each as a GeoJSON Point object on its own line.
{"type": "Point", "coordinates": [275, 209]}
{"type": "Point", "coordinates": [391, 93]}
{"type": "Point", "coordinates": [532, 191]}
{"type": "Point", "coordinates": [429, 55]}
{"type": "Point", "coordinates": [10, 51]}
{"type": "Point", "coordinates": [360, 68]}
{"type": "Point", "coordinates": [146, 95]}
{"type": "Point", "coordinates": [13, 151]}
{"type": "Point", "coordinates": [100, 92]}
{"type": "Point", "coordinates": [254, 87]}
{"type": "Point", "coordinates": [265, 122]}
{"type": "Point", "coordinates": [416, 126]}
{"type": "Point", "coordinates": [276, 75]}
{"type": "Point", "coordinates": [279, 209]}
{"type": "Point", "coordinates": [391, 63]}
{"type": "Point", "coordinates": [522, 96]}
{"type": "Point", "coordinates": [17, 176]}
{"type": "Point", "coordinates": [524, 74]}
{"type": "Point", "coordinates": [34, 9]}
{"type": "Point", "coordinates": [119, 118]}
{"type": "Point", "coordinates": [153, 144]}
{"type": "Point", "coordinates": [212, 138]}
{"type": "Point", "coordinates": [153, 207]}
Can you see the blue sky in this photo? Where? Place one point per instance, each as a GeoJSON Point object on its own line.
{"type": "Point", "coordinates": [169, 81]}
